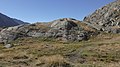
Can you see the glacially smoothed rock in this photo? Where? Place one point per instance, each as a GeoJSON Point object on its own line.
{"type": "Point", "coordinates": [61, 29]}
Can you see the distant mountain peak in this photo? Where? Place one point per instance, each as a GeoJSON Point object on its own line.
{"type": "Point", "coordinates": [6, 21]}
{"type": "Point", "coordinates": [19, 21]}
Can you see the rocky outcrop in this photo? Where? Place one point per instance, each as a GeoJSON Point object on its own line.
{"type": "Point", "coordinates": [106, 18]}
{"type": "Point", "coordinates": [66, 29]}
{"type": "Point", "coordinates": [11, 33]}
{"type": "Point", "coordinates": [66, 23]}
{"type": "Point", "coordinates": [69, 29]}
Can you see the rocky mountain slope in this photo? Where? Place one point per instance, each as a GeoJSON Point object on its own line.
{"type": "Point", "coordinates": [106, 18]}
{"type": "Point", "coordinates": [66, 42]}
{"type": "Point", "coordinates": [6, 21]}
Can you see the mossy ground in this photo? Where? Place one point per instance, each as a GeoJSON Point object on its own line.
{"type": "Point", "coordinates": [100, 51]}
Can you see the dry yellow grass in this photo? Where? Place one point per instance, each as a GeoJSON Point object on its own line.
{"type": "Point", "coordinates": [54, 61]}
{"type": "Point", "coordinates": [100, 51]}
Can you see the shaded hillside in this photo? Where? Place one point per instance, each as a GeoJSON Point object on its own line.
{"type": "Point", "coordinates": [6, 21]}
{"type": "Point", "coordinates": [19, 21]}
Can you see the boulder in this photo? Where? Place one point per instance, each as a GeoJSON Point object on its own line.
{"type": "Point", "coordinates": [64, 23]}
{"type": "Point", "coordinates": [70, 29]}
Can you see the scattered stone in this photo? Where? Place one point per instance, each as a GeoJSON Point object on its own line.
{"type": "Point", "coordinates": [8, 46]}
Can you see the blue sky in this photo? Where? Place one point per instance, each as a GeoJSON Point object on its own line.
{"type": "Point", "coordinates": [48, 10]}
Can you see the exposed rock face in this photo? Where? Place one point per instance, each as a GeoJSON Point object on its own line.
{"type": "Point", "coordinates": [66, 23]}
{"type": "Point", "coordinates": [69, 29]}
{"type": "Point", "coordinates": [62, 29]}
{"type": "Point", "coordinates": [106, 18]}
{"type": "Point", "coordinates": [11, 33]}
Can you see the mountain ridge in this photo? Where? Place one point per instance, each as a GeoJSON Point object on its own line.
{"type": "Point", "coordinates": [105, 19]}
{"type": "Point", "coordinates": [6, 21]}
{"type": "Point", "coordinates": [64, 42]}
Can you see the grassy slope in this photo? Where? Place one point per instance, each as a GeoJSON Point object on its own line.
{"type": "Point", "coordinates": [100, 51]}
